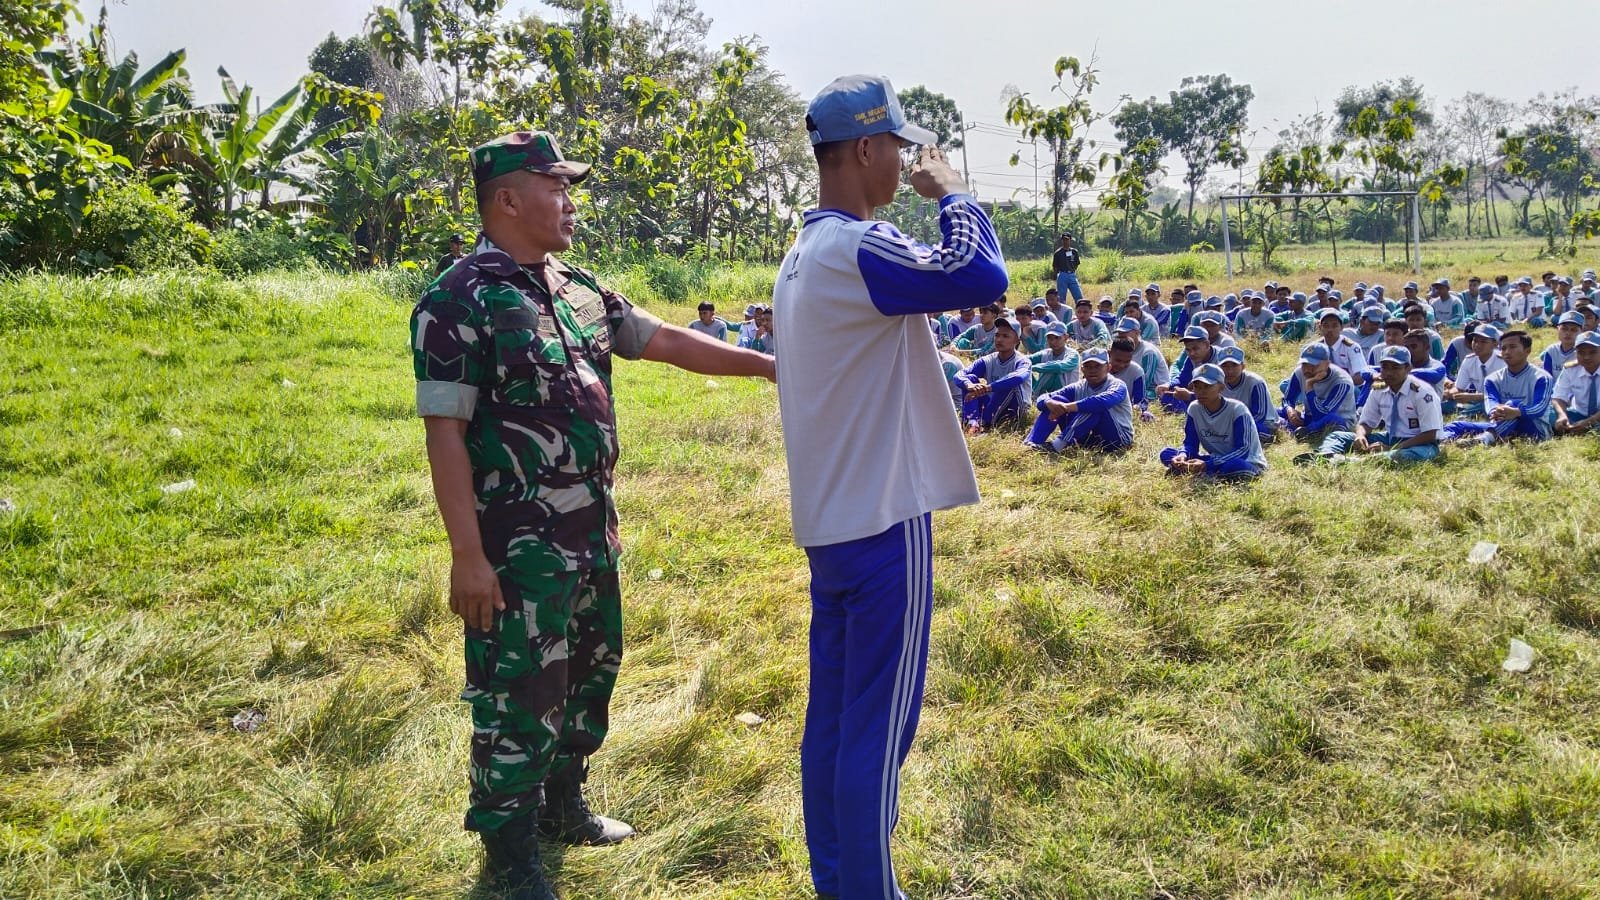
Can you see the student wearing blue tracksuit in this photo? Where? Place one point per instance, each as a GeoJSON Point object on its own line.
{"type": "Point", "coordinates": [1254, 319]}
{"type": "Point", "coordinates": [1183, 315]}
{"type": "Point", "coordinates": [1251, 390]}
{"type": "Point", "coordinates": [1326, 391]}
{"type": "Point", "coordinates": [1175, 395]}
{"type": "Point", "coordinates": [1295, 322]}
{"type": "Point", "coordinates": [999, 386]}
{"type": "Point", "coordinates": [1368, 332]}
{"type": "Point", "coordinates": [1565, 349]}
{"type": "Point", "coordinates": [1216, 326]}
{"type": "Point", "coordinates": [1517, 398]}
{"type": "Point", "coordinates": [1147, 354]}
{"type": "Point", "coordinates": [1424, 368]}
{"type": "Point", "coordinates": [709, 323]}
{"type": "Point", "coordinates": [1030, 331]}
{"type": "Point", "coordinates": [955, 326]}
{"type": "Point", "coordinates": [1105, 313]}
{"type": "Point", "coordinates": [1219, 438]}
{"type": "Point", "coordinates": [1416, 316]}
{"type": "Point", "coordinates": [1133, 309]}
{"type": "Point", "coordinates": [1446, 307]}
{"type": "Point", "coordinates": [1400, 422]}
{"type": "Point", "coordinates": [979, 338]}
{"type": "Point", "coordinates": [1084, 330]}
{"type": "Point", "coordinates": [1130, 373]}
{"type": "Point", "coordinates": [1093, 414]}
{"type": "Point", "coordinates": [1056, 366]}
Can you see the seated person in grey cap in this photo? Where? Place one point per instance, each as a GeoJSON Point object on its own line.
{"type": "Point", "coordinates": [1294, 322]}
{"type": "Point", "coordinates": [1197, 351]}
{"type": "Point", "coordinates": [1577, 394]}
{"type": "Point", "coordinates": [1564, 350]}
{"type": "Point", "coordinates": [1056, 366]}
{"type": "Point", "coordinates": [1525, 305]}
{"type": "Point", "coordinates": [1084, 330]}
{"type": "Point", "coordinates": [1368, 331]}
{"type": "Point", "coordinates": [1219, 438]}
{"type": "Point", "coordinates": [1093, 413]}
{"type": "Point", "coordinates": [1216, 326]}
{"type": "Point", "coordinates": [1466, 389]}
{"type": "Point", "coordinates": [1400, 422]}
{"type": "Point", "coordinates": [1326, 392]}
{"type": "Point", "coordinates": [1105, 312]}
{"type": "Point", "coordinates": [1254, 319]}
{"type": "Point", "coordinates": [998, 386]}
{"type": "Point", "coordinates": [1251, 390]}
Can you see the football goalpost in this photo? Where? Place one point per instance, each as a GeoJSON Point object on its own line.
{"type": "Point", "coordinates": [1413, 205]}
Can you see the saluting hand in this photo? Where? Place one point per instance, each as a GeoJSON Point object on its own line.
{"type": "Point", "coordinates": [933, 176]}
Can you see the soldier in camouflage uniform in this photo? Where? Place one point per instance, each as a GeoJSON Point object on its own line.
{"type": "Point", "coordinates": [513, 354]}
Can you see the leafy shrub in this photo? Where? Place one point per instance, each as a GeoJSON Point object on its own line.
{"type": "Point", "coordinates": [132, 229]}
{"type": "Point", "coordinates": [267, 243]}
{"type": "Point", "coordinates": [1105, 266]}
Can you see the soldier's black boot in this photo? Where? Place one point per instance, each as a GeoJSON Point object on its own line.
{"type": "Point", "coordinates": [514, 863]}
{"type": "Point", "coordinates": [566, 816]}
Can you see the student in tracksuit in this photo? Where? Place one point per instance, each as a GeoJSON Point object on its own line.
{"type": "Point", "coordinates": [1175, 396]}
{"type": "Point", "coordinates": [1294, 322]}
{"type": "Point", "coordinates": [1327, 393]}
{"type": "Point", "coordinates": [1517, 398]}
{"type": "Point", "coordinates": [1399, 423]}
{"type": "Point", "coordinates": [1254, 319]}
{"type": "Point", "coordinates": [1219, 438]}
{"type": "Point", "coordinates": [1130, 373]}
{"type": "Point", "coordinates": [1577, 392]}
{"type": "Point", "coordinates": [1216, 326]}
{"type": "Point", "coordinates": [1056, 366]}
{"type": "Point", "coordinates": [1030, 331]}
{"type": "Point", "coordinates": [1094, 413]}
{"type": "Point", "coordinates": [1183, 314]}
{"type": "Point", "coordinates": [1466, 390]}
{"type": "Point", "coordinates": [1446, 307]}
{"type": "Point", "coordinates": [979, 338]}
{"type": "Point", "coordinates": [709, 323]}
{"type": "Point", "coordinates": [1133, 309]}
{"type": "Point", "coordinates": [1147, 355]}
{"type": "Point", "coordinates": [998, 386]}
{"type": "Point", "coordinates": [1557, 355]}
{"type": "Point", "coordinates": [864, 519]}
{"type": "Point", "coordinates": [955, 326]}
{"type": "Point", "coordinates": [1369, 330]}
{"type": "Point", "coordinates": [1084, 330]}
{"type": "Point", "coordinates": [1251, 390]}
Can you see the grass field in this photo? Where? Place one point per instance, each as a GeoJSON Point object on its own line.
{"type": "Point", "coordinates": [1139, 688]}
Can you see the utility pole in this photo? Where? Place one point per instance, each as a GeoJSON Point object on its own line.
{"type": "Point", "coordinates": [961, 122]}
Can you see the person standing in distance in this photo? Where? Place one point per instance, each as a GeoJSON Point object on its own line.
{"type": "Point", "coordinates": [458, 249]}
{"type": "Point", "coordinates": [864, 518]}
{"type": "Point", "coordinates": [513, 350]}
{"type": "Point", "coordinates": [1065, 264]}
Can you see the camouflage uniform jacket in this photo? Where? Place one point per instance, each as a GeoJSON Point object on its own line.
{"type": "Point", "coordinates": [530, 372]}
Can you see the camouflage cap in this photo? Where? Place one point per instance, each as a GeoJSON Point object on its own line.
{"type": "Point", "coordinates": [531, 151]}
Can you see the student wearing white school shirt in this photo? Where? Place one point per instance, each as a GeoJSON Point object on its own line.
{"type": "Point", "coordinates": [864, 516]}
{"type": "Point", "coordinates": [1399, 423]}
{"type": "Point", "coordinates": [1466, 389]}
{"type": "Point", "coordinates": [1492, 308]}
{"type": "Point", "coordinates": [1526, 306]}
{"type": "Point", "coordinates": [1516, 398]}
{"type": "Point", "coordinates": [1577, 394]}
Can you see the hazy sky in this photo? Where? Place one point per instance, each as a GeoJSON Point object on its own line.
{"type": "Point", "coordinates": [1297, 56]}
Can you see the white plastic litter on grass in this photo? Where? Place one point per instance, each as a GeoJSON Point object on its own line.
{"type": "Point", "coordinates": [749, 720]}
{"type": "Point", "coordinates": [6, 505]}
{"type": "Point", "coordinates": [1008, 494]}
{"type": "Point", "coordinates": [175, 433]}
{"type": "Point", "coordinates": [249, 721]}
{"type": "Point", "coordinates": [287, 383]}
{"type": "Point", "coordinates": [1482, 552]}
{"type": "Point", "coordinates": [1004, 595]}
{"type": "Point", "coordinates": [655, 574]}
{"type": "Point", "coordinates": [1520, 659]}
{"type": "Point", "coordinates": [712, 383]}
{"type": "Point", "coordinates": [179, 487]}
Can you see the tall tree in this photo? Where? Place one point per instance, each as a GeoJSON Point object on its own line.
{"type": "Point", "coordinates": [1205, 125]}
{"type": "Point", "coordinates": [1063, 127]}
{"type": "Point", "coordinates": [935, 112]}
{"type": "Point", "coordinates": [1476, 121]}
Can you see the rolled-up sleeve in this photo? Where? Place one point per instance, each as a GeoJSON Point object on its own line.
{"type": "Point", "coordinates": [449, 356]}
{"type": "Point", "coordinates": [631, 327]}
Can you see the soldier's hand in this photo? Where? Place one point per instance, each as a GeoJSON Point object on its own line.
{"type": "Point", "coordinates": [933, 176]}
{"type": "Point", "coordinates": [475, 592]}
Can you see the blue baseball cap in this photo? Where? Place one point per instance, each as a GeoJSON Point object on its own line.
{"type": "Point", "coordinates": [1374, 314]}
{"type": "Point", "coordinates": [1213, 302]}
{"type": "Point", "coordinates": [1127, 323]}
{"type": "Point", "coordinates": [1398, 355]}
{"type": "Point", "coordinates": [1315, 353]}
{"type": "Point", "coordinates": [1360, 286]}
{"type": "Point", "coordinates": [1337, 295]}
{"type": "Point", "coordinates": [1133, 294]}
{"type": "Point", "coordinates": [1485, 290]}
{"type": "Point", "coordinates": [1193, 297]}
{"type": "Point", "coordinates": [1487, 331]}
{"type": "Point", "coordinates": [1330, 312]}
{"type": "Point", "coordinates": [1588, 339]}
{"type": "Point", "coordinates": [1006, 322]}
{"type": "Point", "coordinates": [1195, 333]}
{"type": "Point", "coordinates": [1152, 286]}
{"type": "Point", "coordinates": [1411, 286]}
{"type": "Point", "coordinates": [1094, 355]}
{"type": "Point", "coordinates": [1056, 328]}
{"type": "Point", "coordinates": [1298, 295]}
{"type": "Point", "coordinates": [857, 106]}
{"type": "Point", "coordinates": [1570, 318]}
{"type": "Point", "coordinates": [1230, 354]}
{"type": "Point", "coordinates": [1210, 373]}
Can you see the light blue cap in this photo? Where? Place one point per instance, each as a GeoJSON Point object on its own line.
{"type": "Point", "coordinates": [1298, 295]}
{"type": "Point", "coordinates": [1399, 355]}
{"type": "Point", "coordinates": [1127, 323]}
{"type": "Point", "coordinates": [1195, 333]}
{"type": "Point", "coordinates": [856, 106]}
{"type": "Point", "coordinates": [1570, 318]}
{"type": "Point", "coordinates": [1039, 302]}
{"type": "Point", "coordinates": [1230, 354]}
{"type": "Point", "coordinates": [1213, 302]}
{"type": "Point", "coordinates": [1337, 295]}
{"type": "Point", "coordinates": [1359, 286]}
{"type": "Point", "coordinates": [1485, 290]}
{"type": "Point", "coordinates": [1152, 286]}
{"type": "Point", "coordinates": [1315, 353]}
{"type": "Point", "coordinates": [1231, 298]}
{"type": "Point", "coordinates": [1210, 373]}
{"type": "Point", "coordinates": [1588, 339]}
{"type": "Point", "coordinates": [1094, 355]}
{"type": "Point", "coordinates": [1133, 294]}
{"type": "Point", "coordinates": [1374, 314]}
{"type": "Point", "coordinates": [1330, 312]}
{"type": "Point", "coordinates": [1193, 297]}
{"type": "Point", "coordinates": [1487, 331]}
{"type": "Point", "coordinates": [1213, 317]}
{"type": "Point", "coordinates": [1056, 328]}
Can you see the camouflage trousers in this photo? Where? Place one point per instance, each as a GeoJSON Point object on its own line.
{"type": "Point", "coordinates": [540, 686]}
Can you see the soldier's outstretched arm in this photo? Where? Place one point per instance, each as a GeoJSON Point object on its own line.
{"type": "Point", "coordinates": [474, 587]}
{"type": "Point", "coordinates": [695, 352]}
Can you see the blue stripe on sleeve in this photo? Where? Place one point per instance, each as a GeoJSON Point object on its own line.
{"type": "Point", "coordinates": [906, 277]}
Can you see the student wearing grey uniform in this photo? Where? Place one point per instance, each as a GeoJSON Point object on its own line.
{"type": "Point", "coordinates": [1250, 389]}
{"type": "Point", "coordinates": [1219, 438]}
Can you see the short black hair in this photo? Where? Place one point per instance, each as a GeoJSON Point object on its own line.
{"type": "Point", "coordinates": [828, 153]}
{"type": "Point", "coordinates": [994, 307]}
{"type": "Point", "coordinates": [706, 306]}
{"type": "Point", "coordinates": [1123, 344]}
{"type": "Point", "coordinates": [1521, 336]}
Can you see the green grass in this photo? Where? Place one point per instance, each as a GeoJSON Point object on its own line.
{"type": "Point", "coordinates": [1290, 688]}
